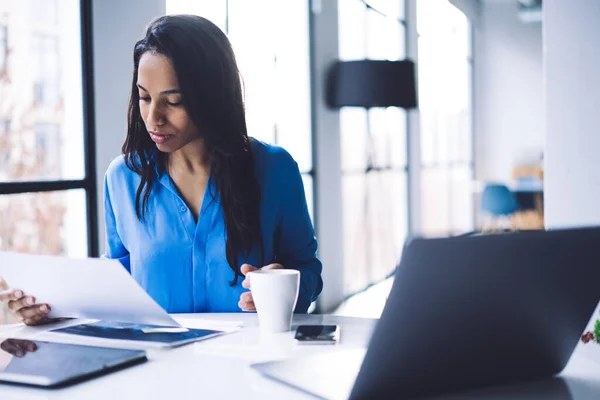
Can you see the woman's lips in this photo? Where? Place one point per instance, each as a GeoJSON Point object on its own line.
{"type": "Point", "coordinates": [160, 138]}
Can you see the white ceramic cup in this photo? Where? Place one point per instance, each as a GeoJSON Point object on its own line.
{"type": "Point", "coordinates": [275, 292]}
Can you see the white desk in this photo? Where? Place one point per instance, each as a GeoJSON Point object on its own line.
{"type": "Point", "coordinates": [219, 368]}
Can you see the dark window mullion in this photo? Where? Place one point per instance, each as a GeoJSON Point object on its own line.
{"type": "Point", "coordinates": [89, 126]}
{"type": "Point", "coordinates": [43, 186]}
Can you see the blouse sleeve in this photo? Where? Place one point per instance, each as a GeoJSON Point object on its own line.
{"type": "Point", "coordinates": [115, 248]}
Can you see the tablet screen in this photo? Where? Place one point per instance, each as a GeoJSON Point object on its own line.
{"type": "Point", "coordinates": [137, 332]}
{"type": "Point", "coordinates": [49, 364]}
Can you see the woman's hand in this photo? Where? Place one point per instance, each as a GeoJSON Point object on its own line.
{"type": "Point", "coordinates": [23, 306]}
{"type": "Point", "coordinates": [246, 302]}
{"type": "Point", "coordinates": [11, 348]}
{"type": "Point", "coordinates": [18, 347]}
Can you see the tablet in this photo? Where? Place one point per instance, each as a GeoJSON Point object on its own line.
{"type": "Point", "coordinates": [46, 364]}
{"type": "Point", "coordinates": [131, 333]}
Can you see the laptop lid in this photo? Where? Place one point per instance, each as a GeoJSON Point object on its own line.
{"type": "Point", "coordinates": [469, 312]}
{"type": "Point", "coordinates": [38, 363]}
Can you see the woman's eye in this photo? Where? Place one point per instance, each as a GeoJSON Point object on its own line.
{"type": "Point", "coordinates": [144, 98]}
{"type": "Point", "coordinates": [174, 103]}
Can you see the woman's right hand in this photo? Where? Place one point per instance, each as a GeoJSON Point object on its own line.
{"type": "Point", "coordinates": [23, 306]}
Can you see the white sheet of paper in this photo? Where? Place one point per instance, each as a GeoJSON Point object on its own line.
{"type": "Point", "coordinates": [90, 288]}
{"type": "Point", "coordinates": [165, 330]}
{"type": "Point", "coordinates": [193, 322]}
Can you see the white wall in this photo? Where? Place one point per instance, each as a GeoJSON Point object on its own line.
{"type": "Point", "coordinates": [117, 25]}
{"type": "Point", "coordinates": [508, 90]}
{"type": "Point", "coordinates": [572, 99]}
{"type": "Point", "coordinates": [471, 9]}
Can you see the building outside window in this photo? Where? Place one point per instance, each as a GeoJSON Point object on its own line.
{"type": "Point", "coordinates": [3, 47]}
{"type": "Point", "coordinates": [46, 188]}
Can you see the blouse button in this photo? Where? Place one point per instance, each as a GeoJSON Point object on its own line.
{"type": "Point", "coordinates": [183, 208]}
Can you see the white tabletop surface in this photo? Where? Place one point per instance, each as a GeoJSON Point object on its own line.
{"type": "Point", "coordinates": [210, 369]}
{"type": "Point", "coordinates": [220, 368]}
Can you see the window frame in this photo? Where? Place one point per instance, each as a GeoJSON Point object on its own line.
{"type": "Point", "coordinates": [89, 182]}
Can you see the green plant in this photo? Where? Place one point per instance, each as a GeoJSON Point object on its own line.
{"type": "Point", "coordinates": [597, 331]}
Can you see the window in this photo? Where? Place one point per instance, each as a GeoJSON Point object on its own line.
{"type": "Point", "coordinates": [274, 68]}
{"type": "Point", "coordinates": [47, 147]}
{"type": "Point", "coordinates": [374, 154]}
{"type": "Point", "coordinates": [213, 10]}
{"type": "Point", "coordinates": [3, 48]}
{"type": "Point", "coordinates": [45, 11]}
{"type": "Point", "coordinates": [445, 108]}
{"type": "Point", "coordinates": [45, 56]}
{"type": "Point", "coordinates": [47, 177]}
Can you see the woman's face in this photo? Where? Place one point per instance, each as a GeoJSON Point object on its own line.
{"type": "Point", "coordinates": [166, 120]}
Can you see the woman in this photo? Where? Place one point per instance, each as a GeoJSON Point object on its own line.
{"type": "Point", "coordinates": [194, 204]}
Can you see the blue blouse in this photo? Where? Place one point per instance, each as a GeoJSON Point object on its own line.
{"type": "Point", "coordinates": [182, 264]}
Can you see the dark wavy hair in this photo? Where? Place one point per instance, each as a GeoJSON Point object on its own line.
{"type": "Point", "coordinates": [211, 93]}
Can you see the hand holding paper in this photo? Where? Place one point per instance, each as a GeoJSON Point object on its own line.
{"type": "Point", "coordinates": [23, 306]}
{"type": "Point", "coordinates": [78, 288]}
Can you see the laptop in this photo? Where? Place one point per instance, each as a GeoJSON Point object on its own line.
{"type": "Point", "coordinates": [474, 311]}
{"type": "Point", "coordinates": [46, 364]}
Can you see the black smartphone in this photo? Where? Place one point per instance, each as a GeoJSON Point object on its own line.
{"type": "Point", "coordinates": [317, 334]}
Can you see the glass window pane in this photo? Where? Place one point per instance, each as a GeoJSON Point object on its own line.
{"type": "Point", "coordinates": [374, 203]}
{"type": "Point", "coordinates": [445, 114]}
{"type": "Point", "coordinates": [444, 93]}
{"type": "Point", "coordinates": [3, 47]}
{"type": "Point", "coordinates": [292, 80]}
{"type": "Point", "coordinates": [465, 118]}
{"type": "Point", "coordinates": [351, 30]}
{"type": "Point", "coordinates": [387, 224]}
{"type": "Point", "coordinates": [356, 274]}
{"type": "Point", "coordinates": [385, 37]}
{"type": "Point", "coordinates": [41, 101]}
{"type": "Point", "coordinates": [391, 8]}
{"type": "Point", "coordinates": [375, 226]}
{"type": "Point", "coordinates": [447, 200]}
{"type": "Point", "coordinates": [44, 223]}
{"type": "Point", "coordinates": [353, 132]}
{"type": "Point", "coordinates": [213, 10]}
{"type": "Point", "coordinates": [462, 199]}
{"type": "Point", "coordinates": [435, 200]}
{"type": "Point", "coordinates": [428, 132]}
{"type": "Point", "coordinates": [254, 46]}
{"type": "Point", "coordinates": [388, 132]}
{"type": "Point", "coordinates": [43, 11]}
{"type": "Point", "coordinates": [276, 73]}
{"type": "Point", "coordinates": [274, 69]}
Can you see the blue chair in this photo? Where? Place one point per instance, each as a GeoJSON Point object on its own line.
{"type": "Point", "coordinates": [498, 200]}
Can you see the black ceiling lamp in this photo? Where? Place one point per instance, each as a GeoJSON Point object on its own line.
{"type": "Point", "coordinates": [372, 83]}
